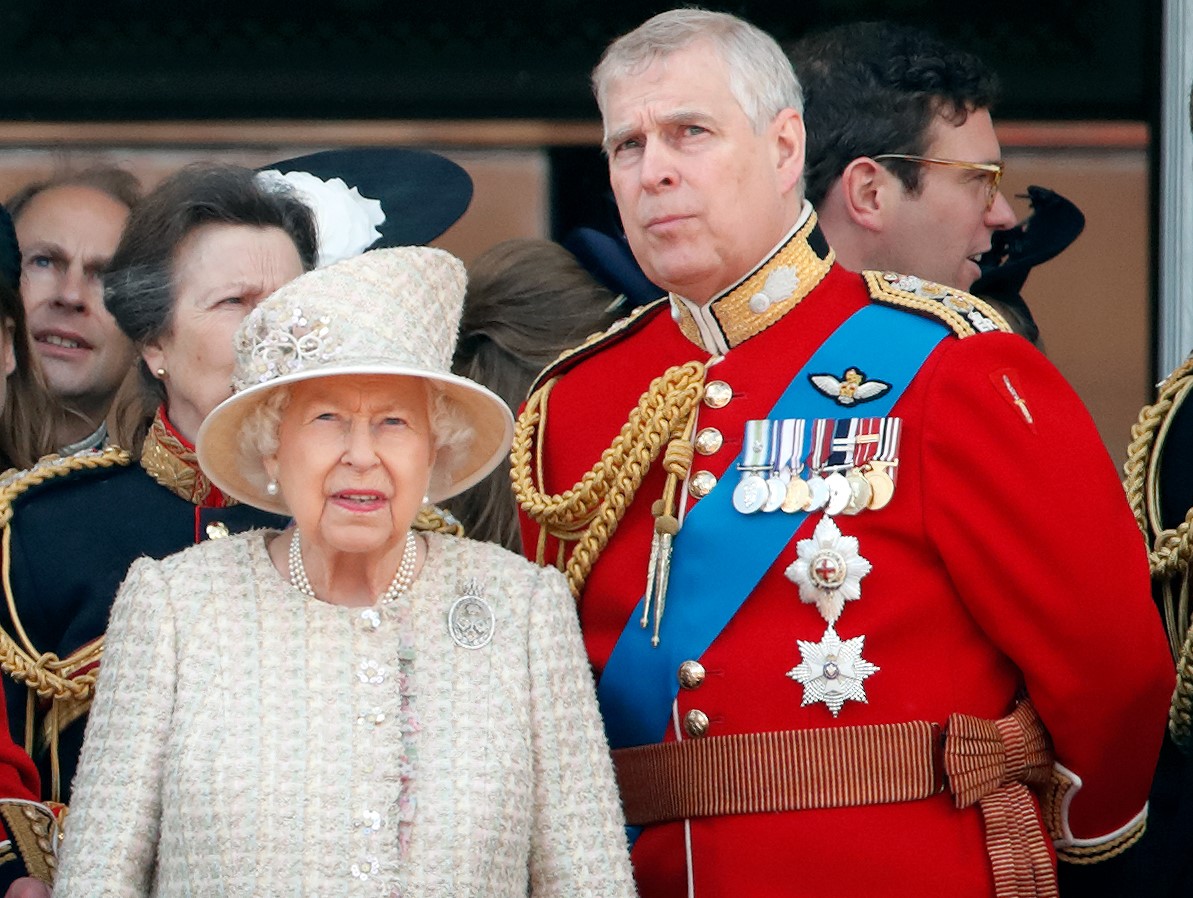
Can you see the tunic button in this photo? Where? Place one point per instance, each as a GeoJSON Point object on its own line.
{"type": "Point", "coordinates": [691, 674]}
{"type": "Point", "coordinates": [702, 483]}
{"type": "Point", "coordinates": [217, 530]}
{"type": "Point", "coordinates": [708, 441]}
{"type": "Point", "coordinates": [695, 723]}
{"type": "Point", "coordinates": [717, 394]}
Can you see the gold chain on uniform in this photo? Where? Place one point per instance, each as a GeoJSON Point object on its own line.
{"type": "Point", "coordinates": [1170, 553]}
{"type": "Point", "coordinates": [588, 513]}
{"type": "Point", "coordinates": [45, 674]}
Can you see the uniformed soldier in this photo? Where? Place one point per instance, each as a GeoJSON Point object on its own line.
{"type": "Point", "coordinates": [1159, 486]}
{"type": "Point", "coordinates": [822, 527]}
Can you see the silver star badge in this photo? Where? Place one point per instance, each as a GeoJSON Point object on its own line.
{"type": "Point", "coordinates": [832, 671]}
{"type": "Point", "coordinates": [828, 569]}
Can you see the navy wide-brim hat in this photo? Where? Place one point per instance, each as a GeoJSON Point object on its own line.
{"type": "Point", "coordinates": [422, 194]}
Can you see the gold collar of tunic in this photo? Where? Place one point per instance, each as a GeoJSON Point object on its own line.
{"type": "Point", "coordinates": [769, 292]}
{"type": "Point", "coordinates": [170, 460]}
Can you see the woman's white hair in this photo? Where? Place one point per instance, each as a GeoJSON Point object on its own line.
{"type": "Point", "coordinates": [761, 78]}
{"type": "Point", "coordinates": [451, 432]}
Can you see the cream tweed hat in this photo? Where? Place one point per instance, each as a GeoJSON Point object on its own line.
{"type": "Point", "coordinates": [389, 311]}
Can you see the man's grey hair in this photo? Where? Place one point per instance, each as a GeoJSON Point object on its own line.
{"type": "Point", "coordinates": [760, 75]}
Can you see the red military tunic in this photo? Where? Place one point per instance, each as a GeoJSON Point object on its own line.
{"type": "Point", "coordinates": [1007, 560]}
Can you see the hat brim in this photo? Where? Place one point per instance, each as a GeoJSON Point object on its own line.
{"type": "Point", "coordinates": [422, 194]}
{"type": "Point", "coordinates": [240, 473]}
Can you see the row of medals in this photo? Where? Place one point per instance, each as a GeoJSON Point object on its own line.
{"type": "Point", "coordinates": [848, 491]}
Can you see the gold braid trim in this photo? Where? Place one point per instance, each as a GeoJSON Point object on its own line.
{"type": "Point", "coordinates": [433, 519]}
{"type": "Point", "coordinates": [1171, 550]}
{"type": "Point", "coordinates": [966, 314]}
{"type": "Point", "coordinates": [35, 832]}
{"type": "Point", "coordinates": [1052, 800]}
{"type": "Point", "coordinates": [45, 674]}
{"type": "Point", "coordinates": [589, 512]}
{"type": "Point", "coordinates": [615, 330]}
{"type": "Point", "coordinates": [1083, 855]}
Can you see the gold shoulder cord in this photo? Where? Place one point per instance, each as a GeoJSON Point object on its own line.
{"type": "Point", "coordinates": [587, 515]}
{"type": "Point", "coordinates": [47, 675]}
{"type": "Point", "coordinates": [1171, 550]}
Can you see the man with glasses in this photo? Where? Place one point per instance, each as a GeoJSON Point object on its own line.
{"type": "Point", "coordinates": [820, 530]}
{"type": "Point", "coordinates": [903, 165]}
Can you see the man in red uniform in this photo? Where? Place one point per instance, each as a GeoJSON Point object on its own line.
{"type": "Point", "coordinates": [827, 532]}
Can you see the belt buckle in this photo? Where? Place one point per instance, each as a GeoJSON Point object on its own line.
{"type": "Point", "coordinates": [940, 778]}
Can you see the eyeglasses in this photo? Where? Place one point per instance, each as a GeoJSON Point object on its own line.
{"type": "Point", "coordinates": [993, 170]}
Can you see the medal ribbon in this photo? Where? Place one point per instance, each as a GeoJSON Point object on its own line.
{"type": "Point", "coordinates": [719, 555]}
{"type": "Point", "coordinates": [791, 438]}
{"type": "Point", "coordinates": [842, 445]}
{"type": "Point", "coordinates": [888, 450]}
{"type": "Point", "coordinates": [822, 444]}
{"type": "Point", "coordinates": [865, 435]}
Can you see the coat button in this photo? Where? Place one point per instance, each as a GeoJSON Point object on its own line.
{"type": "Point", "coordinates": [695, 723]}
{"type": "Point", "coordinates": [691, 674]}
{"type": "Point", "coordinates": [702, 483]}
{"type": "Point", "coordinates": [217, 530]}
{"type": "Point", "coordinates": [717, 394]}
{"type": "Point", "coordinates": [708, 441]}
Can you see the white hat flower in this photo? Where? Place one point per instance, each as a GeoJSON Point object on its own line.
{"type": "Point", "coordinates": [345, 220]}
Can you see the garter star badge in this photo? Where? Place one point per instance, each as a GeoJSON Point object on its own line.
{"type": "Point", "coordinates": [851, 388]}
{"type": "Point", "coordinates": [828, 570]}
{"type": "Point", "coordinates": [832, 670]}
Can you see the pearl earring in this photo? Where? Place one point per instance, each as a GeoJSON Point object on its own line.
{"type": "Point", "coordinates": [426, 500]}
{"type": "Point", "coordinates": [161, 373]}
{"type": "Point", "coordinates": [272, 488]}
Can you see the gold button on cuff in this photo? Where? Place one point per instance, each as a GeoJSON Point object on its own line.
{"type": "Point", "coordinates": [709, 441]}
{"type": "Point", "coordinates": [691, 674]}
{"type": "Point", "coordinates": [717, 394]}
{"type": "Point", "coordinates": [217, 530]}
{"type": "Point", "coordinates": [695, 723]}
{"type": "Point", "coordinates": [702, 483]}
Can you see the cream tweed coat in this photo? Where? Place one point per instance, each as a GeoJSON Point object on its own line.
{"type": "Point", "coordinates": [248, 741]}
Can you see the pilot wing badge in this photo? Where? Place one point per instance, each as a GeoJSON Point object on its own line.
{"type": "Point", "coordinates": [850, 389]}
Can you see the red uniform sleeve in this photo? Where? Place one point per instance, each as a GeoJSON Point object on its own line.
{"type": "Point", "coordinates": [18, 774]}
{"type": "Point", "coordinates": [1027, 511]}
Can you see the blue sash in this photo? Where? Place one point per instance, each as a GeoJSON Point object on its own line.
{"type": "Point", "coordinates": [720, 555]}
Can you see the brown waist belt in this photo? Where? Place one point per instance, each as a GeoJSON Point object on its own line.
{"type": "Point", "coordinates": [986, 761]}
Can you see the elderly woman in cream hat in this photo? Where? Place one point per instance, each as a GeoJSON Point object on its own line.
{"type": "Point", "coordinates": [347, 707]}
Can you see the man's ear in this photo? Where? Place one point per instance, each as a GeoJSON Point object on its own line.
{"type": "Point", "coordinates": [788, 128]}
{"type": "Point", "coordinates": [865, 188]}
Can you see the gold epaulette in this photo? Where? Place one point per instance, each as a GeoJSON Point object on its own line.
{"type": "Point", "coordinates": [16, 482]}
{"type": "Point", "coordinates": [34, 832]}
{"type": "Point", "coordinates": [965, 314]}
{"type": "Point", "coordinates": [67, 682]}
{"type": "Point", "coordinates": [1169, 550]}
{"type": "Point", "coordinates": [618, 330]}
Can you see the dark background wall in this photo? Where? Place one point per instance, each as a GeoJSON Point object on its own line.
{"type": "Point", "coordinates": [148, 59]}
{"type": "Point", "coordinates": [502, 87]}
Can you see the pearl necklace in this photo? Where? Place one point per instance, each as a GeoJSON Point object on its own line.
{"type": "Point", "coordinates": [401, 582]}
